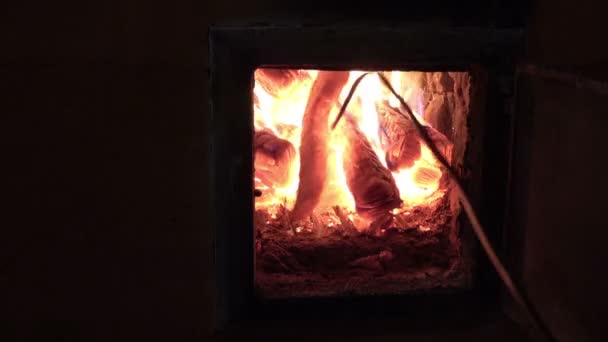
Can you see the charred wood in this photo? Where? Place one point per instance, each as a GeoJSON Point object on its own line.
{"type": "Point", "coordinates": [347, 225]}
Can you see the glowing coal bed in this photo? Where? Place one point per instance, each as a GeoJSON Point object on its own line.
{"type": "Point", "coordinates": [362, 208]}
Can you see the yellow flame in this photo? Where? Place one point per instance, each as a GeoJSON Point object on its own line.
{"type": "Point", "coordinates": [283, 112]}
{"type": "Point", "coordinates": [414, 193]}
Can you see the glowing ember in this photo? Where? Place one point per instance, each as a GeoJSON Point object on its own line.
{"type": "Point", "coordinates": [424, 228]}
{"type": "Point", "coordinates": [279, 104]}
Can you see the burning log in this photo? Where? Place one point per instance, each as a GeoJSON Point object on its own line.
{"type": "Point", "coordinates": [272, 80]}
{"type": "Point", "coordinates": [402, 142]}
{"type": "Point", "coordinates": [370, 183]}
{"type": "Point", "coordinates": [315, 133]}
{"type": "Point", "coordinates": [273, 158]}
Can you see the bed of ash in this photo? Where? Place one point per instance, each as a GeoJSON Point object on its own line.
{"type": "Point", "coordinates": [326, 256]}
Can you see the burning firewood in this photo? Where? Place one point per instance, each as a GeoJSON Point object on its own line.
{"type": "Point", "coordinates": [370, 183]}
{"type": "Point", "coordinates": [272, 80]}
{"type": "Point", "coordinates": [315, 133]}
{"type": "Point", "coordinates": [401, 140]}
{"type": "Point", "coordinates": [273, 158]}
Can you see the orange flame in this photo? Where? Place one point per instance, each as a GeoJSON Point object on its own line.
{"type": "Point", "coordinates": [282, 113]}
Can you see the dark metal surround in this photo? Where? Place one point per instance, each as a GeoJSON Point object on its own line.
{"type": "Point", "coordinates": [489, 55]}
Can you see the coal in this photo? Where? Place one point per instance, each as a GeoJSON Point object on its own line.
{"type": "Point", "coordinates": [398, 261]}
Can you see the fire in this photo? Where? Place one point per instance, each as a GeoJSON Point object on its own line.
{"type": "Point", "coordinates": [279, 107]}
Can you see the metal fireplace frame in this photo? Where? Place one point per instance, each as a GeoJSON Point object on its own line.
{"type": "Point", "coordinates": [236, 52]}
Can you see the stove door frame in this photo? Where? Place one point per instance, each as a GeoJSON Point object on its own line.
{"type": "Point", "coordinates": [237, 51]}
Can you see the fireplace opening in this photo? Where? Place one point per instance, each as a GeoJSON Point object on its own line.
{"type": "Point", "coordinates": [361, 207]}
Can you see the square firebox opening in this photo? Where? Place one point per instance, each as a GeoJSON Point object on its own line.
{"type": "Point", "coordinates": [357, 206]}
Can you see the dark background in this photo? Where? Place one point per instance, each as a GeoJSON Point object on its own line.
{"type": "Point", "coordinates": [105, 236]}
